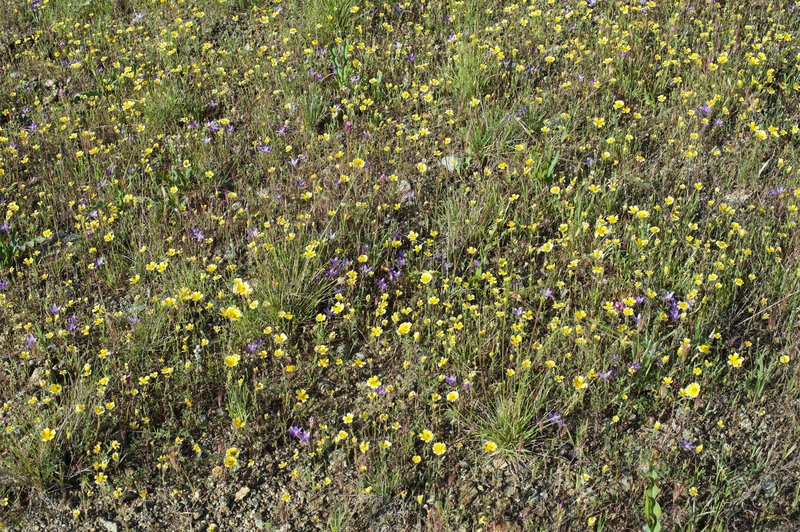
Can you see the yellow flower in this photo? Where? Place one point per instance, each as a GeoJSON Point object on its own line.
{"type": "Point", "coordinates": [374, 383]}
{"type": "Point", "coordinates": [241, 288]}
{"type": "Point", "coordinates": [232, 313]}
{"type": "Point", "coordinates": [735, 360]}
{"type": "Point", "coordinates": [426, 277]}
{"type": "Point", "coordinates": [489, 446]}
{"type": "Point", "coordinates": [452, 396]}
{"type": "Point", "coordinates": [48, 434]}
{"type": "Point", "coordinates": [579, 382]}
{"type": "Point", "coordinates": [439, 448]}
{"type": "Point", "coordinates": [426, 436]}
{"type": "Point", "coordinates": [230, 462]}
{"type": "Point", "coordinates": [231, 360]}
{"type": "Point", "coordinates": [404, 328]}
{"type": "Point", "coordinates": [693, 390]}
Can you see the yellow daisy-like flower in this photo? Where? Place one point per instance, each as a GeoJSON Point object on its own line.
{"type": "Point", "coordinates": [404, 328]}
{"type": "Point", "coordinates": [232, 313]}
{"type": "Point", "coordinates": [735, 360]}
{"type": "Point", "coordinates": [231, 361]}
{"type": "Point", "coordinates": [48, 434]}
{"type": "Point", "coordinates": [426, 436]}
{"type": "Point", "coordinates": [439, 448]}
{"type": "Point", "coordinates": [426, 277]}
{"type": "Point", "coordinates": [241, 288]}
{"type": "Point", "coordinates": [579, 382]}
{"type": "Point", "coordinates": [692, 390]}
{"type": "Point", "coordinates": [490, 446]}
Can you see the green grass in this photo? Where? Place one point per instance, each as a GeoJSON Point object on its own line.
{"type": "Point", "coordinates": [231, 256]}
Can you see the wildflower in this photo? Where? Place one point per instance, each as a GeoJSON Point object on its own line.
{"type": "Point", "coordinates": [579, 382]}
{"type": "Point", "coordinates": [735, 360]}
{"type": "Point", "coordinates": [692, 390]}
{"type": "Point", "coordinates": [232, 313]}
{"type": "Point", "coordinates": [404, 328]}
{"type": "Point", "coordinates": [426, 436]}
{"type": "Point", "coordinates": [439, 448]}
{"type": "Point", "coordinates": [241, 288]}
{"type": "Point", "coordinates": [426, 277]}
{"type": "Point", "coordinates": [48, 434]}
{"type": "Point", "coordinates": [489, 446]}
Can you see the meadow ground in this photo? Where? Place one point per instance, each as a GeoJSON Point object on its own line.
{"type": "Point", "coordinates": [424, 264]}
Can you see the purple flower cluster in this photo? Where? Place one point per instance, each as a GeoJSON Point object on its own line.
{"type": "Point", "coordinates": [300, 433]}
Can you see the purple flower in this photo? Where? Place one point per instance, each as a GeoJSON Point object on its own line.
{"type": "Point", "coordinates": [554, 418]}
{"type": "Point", "coordinates": [72, 323]}
{"type": "Point", "coordinates": [301, 434]}
{"type": "Point", "coordinates": [450, 379]}
{"type": "Point", "coordinates": [605, 375]}
{"type": "Point", "coordinates": [253, 346]}
{"type": "Point", "coordinates": [197, 234]}
{"type": "Point", "coordinates": [30, 340]}
{"type": "Point", "coordinates": [55, 309]}
{"type": "Point", "coordinates": [4, 284]}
